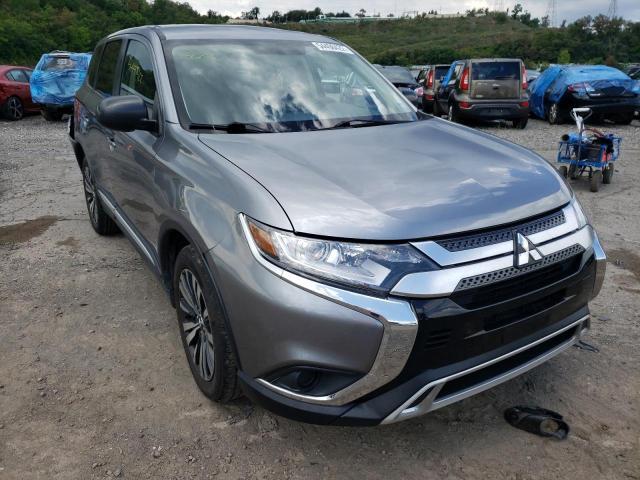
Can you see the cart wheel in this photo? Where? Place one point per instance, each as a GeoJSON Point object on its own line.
{"type": "Point", "coordinates": [564, 171]}
{"type": "Point", "coordinates": [596, 178]}
{"type": "Point", "coordinates": [607, 174]}
{"type": "Point", "coordinates": [574, 172]}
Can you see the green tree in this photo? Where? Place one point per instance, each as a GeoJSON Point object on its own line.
{"type": "Point", "coordinates": [564, 56]}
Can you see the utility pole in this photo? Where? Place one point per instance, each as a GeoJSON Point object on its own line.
{"type": "Point", "coordinates": [613, 9]}
{"type": "Point", "coordinates": [552, 13]}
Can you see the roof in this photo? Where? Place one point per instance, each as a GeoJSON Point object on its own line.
{"type": "Point", "coordinates": [232, 32]}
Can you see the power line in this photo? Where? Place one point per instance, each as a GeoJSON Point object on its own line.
{"type": "Point", "coordinates": [613, 9]}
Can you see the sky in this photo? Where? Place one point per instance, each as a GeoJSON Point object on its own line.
{"type": "Point", "coordinates": [566, 9]}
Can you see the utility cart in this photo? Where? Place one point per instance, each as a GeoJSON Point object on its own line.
{"type": "Point", "coordinates": [589, 150]}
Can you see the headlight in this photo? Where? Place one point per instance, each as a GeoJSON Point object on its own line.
{"type": "Point", "coordinates": [369, 266]}
{"type": "Point", "coordinates": [581, 217]}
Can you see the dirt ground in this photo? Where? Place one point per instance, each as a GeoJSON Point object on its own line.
{"type": "Point", "coordinates": [94, 383]}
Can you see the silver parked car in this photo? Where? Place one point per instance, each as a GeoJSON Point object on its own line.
{"type": "Point", "coordinates": [330, 251]}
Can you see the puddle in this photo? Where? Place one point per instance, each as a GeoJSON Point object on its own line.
{"type": "Point", "coordinates": [626, 259]}
{"type": "Point", "coordinates": [25, 231]}
{"type": "Point", "coordinates": [71, 242]}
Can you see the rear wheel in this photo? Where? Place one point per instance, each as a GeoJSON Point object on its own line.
{"type": "Point", "coordinates": [51, 115]}
{"type": "Point", "coordinates": [13, 109]}
{"type": "Point", "coordinates": [596, 179]}
{"type": "Point", "coordinates": [555, 115]}
{"type": "Point", "coordinates": [607, 174]}
{"type": "Point", "coordinates": [574, 172]}
{"type": "Point", "coordinates": [205, 338]}
{"type": "Point", "coordinates": [624, 118]}
{"type": "Point", "coordinates": [436, 108]}
{"type": "Point", "coordinates": [427, 108]}
{"type": "Point", "coordinates": [101, 222]}
{"type": "Point", "coordinates": [521, 123]}
{"type": "Point", "coordinates": [452, 113]}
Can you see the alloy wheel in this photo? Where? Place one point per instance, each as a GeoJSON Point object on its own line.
{"type": "Point", "coordinates": [90, 194]}
{"type": "Point", "coordinates": [14, 107]}
{"type": "Point", "coordinates": [553, 113]}
{"type": "Point", "coordinates": [450, 113]}
{"type": "Point", "coordinates": [196, 325]}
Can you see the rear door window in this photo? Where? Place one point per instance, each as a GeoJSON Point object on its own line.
{"type": "Point", "coordinates": [17, 76]}
{"type": "Point", "coordinates": [440, 72]}
{"type": "Point", "coordinates": [137, 72]}
{"type": "Point", "coordinates": [495, 70]}
{"type": "Point", "coordinates": [93, 66]}
{"type": "Point", "coordinates": [107, 67]}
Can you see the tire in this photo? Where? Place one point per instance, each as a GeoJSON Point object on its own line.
{"type": "Point", "coordinates": [203, 330]}
{"type": "Point", "coordinates": [452, 114]}
{"type": "Point", "coordinates": [574, 171]}
{"type": "Point", "coordinates": [555, 115]}
{"type": "Point", "coordinates": [607, 174]}
{"type": "Point", "coordinates": [520, 123]}
{"type": "Point", "coordinates": [426, 108]}
{"type": "Point", "coordinates": [13, 109]}
{"type": "Point", "coordinates": [436, 108]}
{"type": "Point", "coordinates": [624, 119]}
{"type": "Point", "coordinates": [51, 115]}
{"type": "Point", "coordinates": [100, 220]}
{"type": "Point", "coordinates": [596, 179]}
{"type": "Point", "coordinates": [564, 171]}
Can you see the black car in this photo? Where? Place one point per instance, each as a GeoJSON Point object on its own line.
{"type": "Point", "coordinates": [403, 80]}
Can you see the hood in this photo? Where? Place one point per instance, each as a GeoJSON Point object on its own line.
{"type": "Point", "coordinates": [395, 182]}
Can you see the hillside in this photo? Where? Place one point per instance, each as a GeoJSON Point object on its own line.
{"type": "Point", "coordinates": [424, 40]}
{"type": "Point", "coordinates": [30, 27]}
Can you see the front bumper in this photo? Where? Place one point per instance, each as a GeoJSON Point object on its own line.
{"type": "Point", "coordinates": [425, 346]}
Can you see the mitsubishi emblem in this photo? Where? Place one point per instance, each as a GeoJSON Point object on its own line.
{"type": "Point", "coordinates": [524, 251]}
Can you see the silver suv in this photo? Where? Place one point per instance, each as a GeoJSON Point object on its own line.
{"type": "Point", "coordinates": [331, 252]}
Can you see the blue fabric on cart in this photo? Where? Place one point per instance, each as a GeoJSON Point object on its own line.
{"type": "Point", "coordinates": [55, 82]}
{"type": "Point", "coordinates": [554, 82]}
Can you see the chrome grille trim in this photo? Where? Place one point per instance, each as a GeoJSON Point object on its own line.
{"type": "Point", "coordinates": [442, 283]}
{"type": "Point", "coordinates": [468, 242]}
{"type": "Point", "coordinates": [446, 258]}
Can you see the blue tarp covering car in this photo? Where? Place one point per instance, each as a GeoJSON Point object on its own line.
{"type": "Point", "coordinates": [55, 80]}
{"type": "Point", "coordinates": [608, 91]}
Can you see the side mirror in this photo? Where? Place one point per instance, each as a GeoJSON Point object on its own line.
{"type": "Point", "coordinates": [125, 113]}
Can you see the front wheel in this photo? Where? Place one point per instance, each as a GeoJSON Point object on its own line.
{"type": "Point", "coordinates": [596, 179]}
{"type": "Point", "coordinates": [205, 337]}
{"type": "Point", "coordinates": [13, 109]}
{"type": "Point", "coordinates": [555, 114]}
{"type": "Point", "coordinates": [564, 171]}
{"type": "Point", "coordinates": [607, 174]}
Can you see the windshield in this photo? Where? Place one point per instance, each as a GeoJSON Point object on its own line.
{"type": "Point", "coordinates": [59, 63]}
{"type": "Point", "coordinates": [278, 85]}
{"type": "Point", "coordinates": [398, 75]}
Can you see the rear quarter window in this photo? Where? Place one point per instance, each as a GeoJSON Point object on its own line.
{"type": "Point", "coordinates": [495, 71]}
{"type": "Point", "coordinates": [107, 67]}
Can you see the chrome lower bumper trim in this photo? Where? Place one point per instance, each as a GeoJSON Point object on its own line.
{"type": "Point", "coordinates": [601, 264]}
{"type": "Point", "coordinates": [397, 317]}
{"type": "Point", "coordinates": [430, 403]}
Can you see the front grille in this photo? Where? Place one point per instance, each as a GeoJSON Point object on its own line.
{"type": "Point", "coordinates": [511, 272]}
{"type": "Point", "coordinates": [505, 234]}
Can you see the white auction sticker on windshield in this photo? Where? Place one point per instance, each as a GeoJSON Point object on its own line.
{"type": "Point", "coordinates": [332, 47]}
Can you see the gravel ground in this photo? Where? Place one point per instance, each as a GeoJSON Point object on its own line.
{"type": "Point", "coordinates": [94, 383]}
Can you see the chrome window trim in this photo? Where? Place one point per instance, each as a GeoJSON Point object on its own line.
{"type": "Point", "coordinates": [445, 258]}
{"type": "Point", "coordinates": [442, 283]}
{"type": "Point", "coordinates": [397, 317]}
{"type": "Point", "coordinates": [429, 403]}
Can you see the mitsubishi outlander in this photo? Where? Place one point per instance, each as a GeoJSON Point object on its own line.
{"type": "Point", "coordinates": [333, 253]}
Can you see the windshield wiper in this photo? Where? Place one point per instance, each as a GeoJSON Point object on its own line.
{"type": "Point", "coordinates": [234, 127]}
{"type": "Point", "coordinates": [357, 122]}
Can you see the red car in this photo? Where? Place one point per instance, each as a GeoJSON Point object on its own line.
{"type": "Point", "coordinates": [15, 94]}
